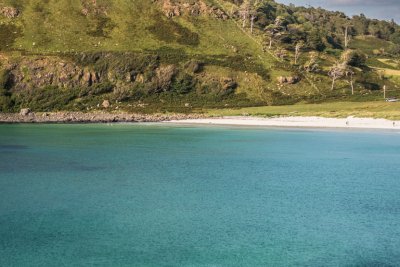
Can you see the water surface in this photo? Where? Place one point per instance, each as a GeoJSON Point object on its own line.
{"type": "Point", "coordinates": [158, 195]}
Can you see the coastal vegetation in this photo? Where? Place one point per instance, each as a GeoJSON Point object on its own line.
{"type": "Point", "coordinates": [189, 56]}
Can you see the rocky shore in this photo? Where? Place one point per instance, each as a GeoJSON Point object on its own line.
{"type": "Point", "coordinates": [96, 117]}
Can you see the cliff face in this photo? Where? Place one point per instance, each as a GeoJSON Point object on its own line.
{"type": "Point", "coordinates": [121, 74]}
{"type": "Point", "coordinates": [37, 72]}
{"type": "Point", "coordinates": [25, 73]}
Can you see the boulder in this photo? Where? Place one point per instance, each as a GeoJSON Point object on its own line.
{"type": "Point", "coordinates": [9, 12]}
{"type": "Point", "coordinates": [25, 112]}
{"type": "Point", "coordinates": [106, 104]}
{"type": "Point", "coordinates": [228, 83]}
{"type": "Point", "coordinates": [282, 80]}
{"type": "Point", "coordinates": [288, 80]}
{"type": "Point", "coordinates": [292, 79]}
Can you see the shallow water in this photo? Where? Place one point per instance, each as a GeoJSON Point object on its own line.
{"type": "Point", "coordinates": [161, 195]}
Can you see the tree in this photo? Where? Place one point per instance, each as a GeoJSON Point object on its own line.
{"type": "Point", "coordinates": [244, 12]}
{"type": "Point", "coordinates": [297, 51]}
{"type": "Point", "coordinates": [273, 31]}
{"type": "Point", "coordinates": [350, 74]}
{"type": "Point", "coordinates": [360, 24]}
{"type": "Point", "coordinates": [314, 40]}
{"type": "Point", "coordinates": [336, 72]}
{"type": "Point", "coordinates": [348, 31]}
{"type": "Point", "coordinates": [252, 18]}
{"type": "Point", "coordinates": [354, 58]}
{"type": "Point", "coordinates": [248, 11]}
{"type": "Point", "coordinates": [395, 37]}
{"type": "Point", "coordinates": [281, 53]}
{"type": "Point", "coordinates": [270, 33]}
{"type": "Point", "coordinates": [346, 36]}
{"type": "Point", "coordinates": [374, 29]}
{"type": "Point", "coordinates": [312, 64]}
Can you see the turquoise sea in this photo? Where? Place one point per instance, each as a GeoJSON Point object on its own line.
{"type": "Point", "coordinates": [165, 195]}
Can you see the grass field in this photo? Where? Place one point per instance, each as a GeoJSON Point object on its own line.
{"type": "Point", "coordinates": [375, 109]}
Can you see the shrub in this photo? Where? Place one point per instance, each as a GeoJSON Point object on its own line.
{"type": "Point", "coordinates": [354, 58]}
{"type": "Point", "coordinates": [183, 83]}
{"type": "Point", "coordinates": [5, 101]}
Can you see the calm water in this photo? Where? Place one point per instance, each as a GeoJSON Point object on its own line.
{"type": "Point", "coordinates": [157, 195]}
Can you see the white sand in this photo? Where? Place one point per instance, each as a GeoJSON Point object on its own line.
{"type": "Point", "coordinates": [312, 122]}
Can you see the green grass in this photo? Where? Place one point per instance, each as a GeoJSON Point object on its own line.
{"type": "Point", "coordinates": [368, 44]}
{"type": "Point", "coordinates": [375, 109]}
{"type": "Point", "coordinates": [50, 26]}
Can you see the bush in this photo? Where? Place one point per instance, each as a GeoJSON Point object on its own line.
{"type": "Point", "coordinates": [4, 75]}
{"type": "Point", "coordinates": [98, 89]}
{"type": "Point", "coordinates": [45, 99]}
{"type": "Point", "coordinates": [6, 103]}
{"type": "Point", "coordinates": [183, 84]}
{"type": "Point", "coordinates": [354, 58]}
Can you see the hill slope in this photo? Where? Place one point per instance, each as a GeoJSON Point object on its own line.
{"type": "Point", "coordinates": [147, 56]}
{"type": "Point", "coordinates": [117, 25]}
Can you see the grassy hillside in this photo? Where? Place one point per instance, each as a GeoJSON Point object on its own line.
{"type": "Point", "coordinates": [60, 26]}
{"type": "Point", "coordinates": [134, 55]}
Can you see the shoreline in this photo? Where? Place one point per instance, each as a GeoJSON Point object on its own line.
{"type": "Point", "coordinates": [297, 122]}
{"type": "Point", "coordinates": [198, 119]}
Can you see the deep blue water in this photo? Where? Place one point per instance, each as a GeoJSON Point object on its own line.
{"type": "Point", "coordinates": [157, 195]}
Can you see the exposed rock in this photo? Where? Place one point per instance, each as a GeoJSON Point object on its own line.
{"type": "Point", "coordinates": [91, 7]}
{"type": "Point", "coordinates": [130, 77]}
{"type": "Point", "coordinates": [176, 8]}
{"type": "Point", "coordinates": [163, 79]}
{"type": "Point", "coordinates": [43, 71]}
{"type": "Point", "coordinates": [288, 80]}
{"type": "Point", "coordinates": [170, 9]}
{"type": "Point", "coordinates": [50, 71]}
{"type": "Point", "coordinates": [293, 79]}
{"type": "Point", "coordinates": [228, 84]}
{"type": "Point", "coordinates": [106, 104]}
{"type": "Point", "coordinates": [89, 77]}
{"type": "Point", "coordinates": [193, 66]}
{"type": "Point", "coordinates": [25, 112]}
{"type": "Point", "coordinates": [282, 79]}
{"type": "Point", "coordinates": [9, 12]}
{"type": "Point", "coordinates": [140, 78]}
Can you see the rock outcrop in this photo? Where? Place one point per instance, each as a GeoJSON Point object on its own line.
{"type": "Point", "coordinates": [106, 104]}
{"type": "Point", "coordinates": [34, 72]}
{"type": "Point", "coordinates": [25, 112]}
{"type": "Point", "coordinates": [91, 7]}
{"type": "Point", "coordinates": [176, 8]}
{"type": "Point", "coordinates": [163, 78]}
{"type": "Point", "coordinates": [9, 12]}
{"type": "Point", "coordinates": [288, 80]}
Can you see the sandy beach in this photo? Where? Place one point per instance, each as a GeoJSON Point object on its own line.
{"type": "Point", "coordinates": [312, 122]}
{"type": "Point", "coordinates": [104, 117]}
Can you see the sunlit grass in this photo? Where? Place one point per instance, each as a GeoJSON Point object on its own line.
{"type": "Point", "coordinates": [375, 109]}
